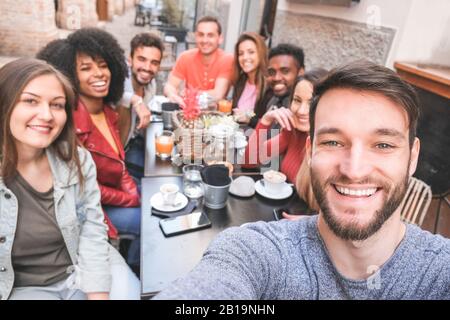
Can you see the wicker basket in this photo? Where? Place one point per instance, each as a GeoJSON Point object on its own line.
{"type": "Point", "coordinates": [190, 142]}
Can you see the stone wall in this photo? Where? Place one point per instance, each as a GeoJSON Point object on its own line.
{"type": "Point", "coordinates": [76, 14]}
{"type": "Point", "coordinates": [329, 42]}
{"type": "Point", "coordinates": [25, 28]}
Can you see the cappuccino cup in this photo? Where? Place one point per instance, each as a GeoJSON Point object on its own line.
{"type": "Point", "coordinates": [169, 193]}
{"type": "Point", "coordinates": [274, 181]}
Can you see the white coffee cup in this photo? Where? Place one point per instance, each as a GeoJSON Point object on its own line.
{"type": "Point", "coordinates": [169, 193]}
{"type": "Point", "coordinates": [274, 181]}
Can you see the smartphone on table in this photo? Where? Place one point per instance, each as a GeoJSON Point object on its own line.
{"type": "Point", "coordinates": [186, 223]}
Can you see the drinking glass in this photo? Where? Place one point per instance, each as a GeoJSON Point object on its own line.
{"type": "Point", "coordinates": [225, 106]}
{"type": "Point", "coordinates": [192, 181]}
{"type": "Point", "coordinates": [164, 142]}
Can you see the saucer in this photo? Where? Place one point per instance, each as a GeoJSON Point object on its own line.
{"type": "Point", "coordinates": [157, 202]}
{"type": "Point", "coordinates": [285, 192]}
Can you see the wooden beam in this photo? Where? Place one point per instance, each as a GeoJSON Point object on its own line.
{"type": "Point", "coordinates": [435, 79]}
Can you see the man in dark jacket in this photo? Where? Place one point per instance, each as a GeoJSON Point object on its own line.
{"type": "Point", "coordinates": [286, 63]}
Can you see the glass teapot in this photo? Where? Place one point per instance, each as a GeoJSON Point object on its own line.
{"type": "Point", "coordinates": [219, 144]}
{"type": "Point", "coordinates": [206, 102]}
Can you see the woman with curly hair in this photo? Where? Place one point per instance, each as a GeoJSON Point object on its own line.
{"type": "Point", "coordinates": [250, 55]}
{"type": "Point", "coordinates": [95, 63]}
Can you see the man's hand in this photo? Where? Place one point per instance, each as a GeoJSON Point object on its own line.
{"type": "Point", "coordinates": [283, 116]}
{"type": "Point", "coordinates": [171, 90]}
{"type": "Point", "coordinates": [292, 217]}
{"type": "Point", "coordinates": [144, 115]}
{"type": "Point", "coordinates": [142, 111]}
{"type": "Point", "coordinates": [241, 116]}
{"type": "Point", "coordinates": [177, 99]}
{"type": "Point", "coordinates": [97, 295]}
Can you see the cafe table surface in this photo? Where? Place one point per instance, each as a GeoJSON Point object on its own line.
{"type": "Point", "coordinates": [166, 259]}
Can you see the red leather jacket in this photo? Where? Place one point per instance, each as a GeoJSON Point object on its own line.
{"type": "Point", "coordinates": [116, 185]}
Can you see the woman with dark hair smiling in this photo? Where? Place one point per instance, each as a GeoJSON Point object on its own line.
{"type": "Point", "coordinates": [95, 63]}
{"type": "Point", "coordinates": [54, 242]}
{"type": "Point", "coordinates": [294, 123]}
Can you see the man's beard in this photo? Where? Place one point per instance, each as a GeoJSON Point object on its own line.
{"type": "Point", "coordinates": [135, 77]}
{"type": "Point", "coordinates": [353, 231]}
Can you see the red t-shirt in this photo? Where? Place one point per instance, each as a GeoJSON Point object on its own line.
{"type": "Point", "coordinates": [290, 143]}
{"type": "Point", "coordinates": [189, 67]}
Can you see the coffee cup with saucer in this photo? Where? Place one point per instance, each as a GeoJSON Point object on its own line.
{"type": "Point", "coordinates": [169, 198]}
{"type": "Point", "coordinates": [273, 186]}
{"type": "Point", "coordinates": [274, 181]}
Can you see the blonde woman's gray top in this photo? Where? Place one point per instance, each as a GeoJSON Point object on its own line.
{"type": "Point", "coordinates": [80, 219]}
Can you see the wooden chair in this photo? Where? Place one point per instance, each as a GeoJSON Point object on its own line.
{"type": "Point", "coordinates": [442, 197]}
{"type": "Point", "coordinates": [416, 202]}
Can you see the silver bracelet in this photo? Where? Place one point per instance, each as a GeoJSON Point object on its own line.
{"type": "Point", "coordinates": [137, 102]}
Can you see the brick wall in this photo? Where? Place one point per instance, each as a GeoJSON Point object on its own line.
{"type": "Point", "coordinates": [25, 28]}
{"type": "Point", "coordinates": [119, 7]}
{"type": "Point", "coordinates": [76, 14]}
{"type": "Point", "coordinates": [111, 9]}
{"type": "Point", "coordinates": [129, 4]}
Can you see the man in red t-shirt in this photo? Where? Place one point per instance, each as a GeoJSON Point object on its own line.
{"type": "Point", "coordinates": [206, 68]}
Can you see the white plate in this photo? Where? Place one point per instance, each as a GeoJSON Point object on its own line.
{"type": "Point", "coordinates": [157, 202]}
{"type": "Point", "coordinates": [285, 192]}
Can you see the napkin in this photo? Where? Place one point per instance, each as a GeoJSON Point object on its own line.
{"type": "Point", "coordinates": [163, 214]}
{"type": "Point", "coordinates": [243, 187]}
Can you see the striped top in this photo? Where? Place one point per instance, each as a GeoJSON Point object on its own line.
{"type": "Point", "coordinates": [291, 144]}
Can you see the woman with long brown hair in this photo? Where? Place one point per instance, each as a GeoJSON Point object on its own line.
{"type": "Point", "coordinates": [294, 123]}
{"type": "Point", "coordinates": [250, 55]}
{"type": "Point", "coordinates": [54, 241]}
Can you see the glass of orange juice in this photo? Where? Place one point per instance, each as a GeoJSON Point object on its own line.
{"type": "Point", "coordinates": [164, 142]}
{"type": "Point", "coordinates": [224, 106]}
